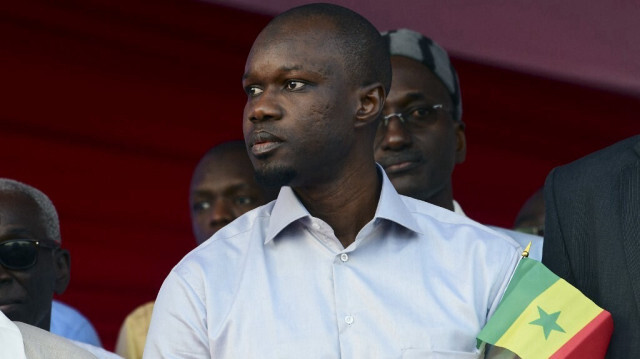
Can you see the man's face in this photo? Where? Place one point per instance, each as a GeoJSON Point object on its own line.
{"type": "Point", "coordinates": [300, 106]}
{"type": "Point", "coordinates": [419, 162]}
{"type": "Point", "coordinates": [222, 188]}
{"type": "Point", "coordinates": [25, 295]}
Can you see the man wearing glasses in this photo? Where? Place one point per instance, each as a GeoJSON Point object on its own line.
{"type": "Point", "coordinates": [33, 266]}
{"type": "Point", "coordinates": [422, 137]}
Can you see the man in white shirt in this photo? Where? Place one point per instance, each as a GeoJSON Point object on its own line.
{"type": "Point", "coordinates": [422, 137]}
{"type": "Point", "coordinates": [339, 265]}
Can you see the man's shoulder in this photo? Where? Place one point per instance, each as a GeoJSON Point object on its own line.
{"type": "Point", "coordinates": [611, 157]}
{"type": "Point", "coordinates": [590, 173]}
{"type": "Point", "coordinates": [229, 244]}
{"type": "Point", "coordinates": [39, 343]}
{"type": "Point", "coordinates": [523, 239]}
{"type": "Point", "coordinates": [96, 351]}
{"type": "Point", "coordinates": [456, 228]}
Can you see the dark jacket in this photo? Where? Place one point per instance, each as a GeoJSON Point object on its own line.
{"type": "Point", "coordinates": [592, 235]}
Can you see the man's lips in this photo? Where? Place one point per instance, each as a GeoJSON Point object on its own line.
{"type": "Point", "coordinates": [7, 306]}
{"type": "Point", "coordinates": [400, 167]}
{"type": "Point", "coordinates": [262, 143]}
{"type": "Point", "coordinates": [399, 164]}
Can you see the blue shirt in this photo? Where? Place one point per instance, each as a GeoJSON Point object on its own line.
{"type": "Point", "coordinates": [69, 323]}
{"type": "Point", "coordinates": [277, 283]}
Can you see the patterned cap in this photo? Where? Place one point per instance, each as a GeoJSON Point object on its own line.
{"type": "Point", "coordinates": [414, 45]}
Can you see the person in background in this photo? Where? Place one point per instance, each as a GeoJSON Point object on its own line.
{"type": "Point", "coordinates": [68, 322]}
{"type": "Point", "coordinates": [592, 235]}
{"type": "Point", "coordinates": [530, 218]}
{"type": "Point", "coordinates": [222, 188]}
{"type": "Point", "coordinates": [33, 266]}
{"type": "Point", "coordinates": [421, 137]}
{"type": "Point", "coordinates": [339, 265]}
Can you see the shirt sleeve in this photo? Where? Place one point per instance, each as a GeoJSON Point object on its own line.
{"type": "Point", "coordinates": [178, 327]}
{"type": "Point", "coordinates": [503, 279]}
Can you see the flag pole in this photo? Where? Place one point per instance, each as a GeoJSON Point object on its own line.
{"type": "Point", "coordinates": [525, 253]}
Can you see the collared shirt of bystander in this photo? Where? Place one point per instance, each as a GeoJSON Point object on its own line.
{"type": "Point", "coordinates": [68, 322]}
{"type": "Point", "coordinates": [523, 239]}
{"type": "Point", "coordinates": [10, 339]}
{"type": "Point", "coordinates": [276, 282]}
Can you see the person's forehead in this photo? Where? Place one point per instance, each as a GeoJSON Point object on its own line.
{"type": "Point", "coordinates": [298, 38]}
{"type": "Point", "coordinates": [412, 80]}
{"type": "Point", "coordinates": [17, 203]}
{"type": "Point", "coordinates": [223, 169]}
{"type": "Point", "coordinates": [19, 213]}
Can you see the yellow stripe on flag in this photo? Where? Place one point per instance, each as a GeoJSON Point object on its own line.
{"type": "Point", "coordinates": [528, 340]}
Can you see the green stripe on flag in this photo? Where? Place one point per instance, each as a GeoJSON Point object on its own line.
{"type": "Point", "coordinates": [529, 280]}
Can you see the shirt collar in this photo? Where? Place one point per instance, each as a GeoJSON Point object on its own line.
{"type": "Point", "coordinates": [457, 209]}
{"type": "Point", "coordinates": [289, 209]}
{"type": "Point", "coordinates": [392, 207]}
{"type": "Point", "coordinates": [286, 210]}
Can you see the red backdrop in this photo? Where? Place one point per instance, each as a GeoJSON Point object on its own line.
{"type": "Point", "coordinates": [107, 108]}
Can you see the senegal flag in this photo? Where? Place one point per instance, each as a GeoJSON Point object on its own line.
{"type": "Point", "coordinates": [543, 316]}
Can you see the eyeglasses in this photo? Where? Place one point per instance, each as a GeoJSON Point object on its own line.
{"type": "Point", "coordinates": [20, 254]}
{"type": "Point", "coordinates": [416, 117]}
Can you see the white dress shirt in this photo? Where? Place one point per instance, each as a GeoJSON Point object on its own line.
{"type": "Point", "coordinates": [523, 239]}
{"type": "Point", "coordinates": [11, 345]}
{"type": "Point", "coordinates": [277, 283]}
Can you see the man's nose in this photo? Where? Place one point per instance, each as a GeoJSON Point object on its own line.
{"type": "Point", "coordinates": [264, 107]}
{"type": "Point", "coordinates": [395, 135]}
{"type": "Point", "coordinates": [222, 211]}
{"type": "Point", "coordinates": [4, 275]}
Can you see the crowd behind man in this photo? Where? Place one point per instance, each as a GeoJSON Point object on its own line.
{"type": "Point", "coordinates": [353, 259]}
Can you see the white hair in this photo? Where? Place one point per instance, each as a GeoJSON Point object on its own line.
{"type": "Point", "coordinates": [49, 213]}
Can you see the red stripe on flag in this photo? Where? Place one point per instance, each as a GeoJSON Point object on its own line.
{"type": "Point", "coordinates": [590, 342]}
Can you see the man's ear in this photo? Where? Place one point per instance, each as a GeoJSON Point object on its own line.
{"type": "Point", "coordinates": [461, 142]}
{"type": "Point", "coordinates": [62, 264]}
{"type": "Point", "coordinates": [371, 99]}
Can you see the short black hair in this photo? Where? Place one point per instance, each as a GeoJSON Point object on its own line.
{"type": "Point", "coordinates": [363, 51]}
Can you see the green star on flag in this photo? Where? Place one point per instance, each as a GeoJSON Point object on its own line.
{"type": "Point", "coordinates": [548, 322]}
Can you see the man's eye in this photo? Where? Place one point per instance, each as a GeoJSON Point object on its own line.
{"type": "Point", "coordinates": [201, 206]}
{"type": "Point", "coordinates": [253, 91]}
{"type": "Point", "coordinates": [243, 200]}
{"type": "Point", "coordinates": [294, 85]}
{"type": "Point", "coordinates": [420, 112]}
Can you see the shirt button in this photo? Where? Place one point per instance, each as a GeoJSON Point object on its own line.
{"type": "Point", "coordinates": [348, 319]}
{"type": "Point", "coordinates": [344, 257]}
